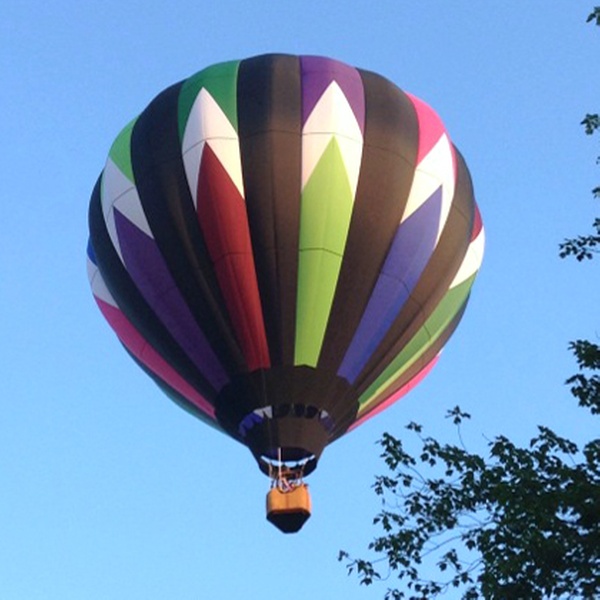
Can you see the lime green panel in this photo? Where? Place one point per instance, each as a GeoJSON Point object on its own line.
{"type": "Point", "coordinates": [324, 221]}
{"type": "Point", "coordinates": [435, 325]}
{"type": "Point", "coordinates": [221, 82]}
{"type": "Point", "coordinates": [326, 203]}
{"type": "Point", "coordinates": [120, 151]}
{"type": "Point", "coordinates": [314, 303]}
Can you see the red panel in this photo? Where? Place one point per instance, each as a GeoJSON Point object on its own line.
{"type": "Point", "coordinates": [477, 223]}
{"type": "Point", "coordinates": [224, 222]}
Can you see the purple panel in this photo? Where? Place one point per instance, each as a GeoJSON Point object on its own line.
{"type": "Point", "coordinates": [318, 73]}
{"type": "Point", "coordinates": [149, 272]}
{"type": "Point", "coordinates": [248, 422]}
{"type": "Point", "coordinates": [90, 252]}
{"type": "Point", "coordinates": [411, 250]}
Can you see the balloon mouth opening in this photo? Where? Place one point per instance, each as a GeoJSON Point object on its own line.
{"type": "Point", "coordinates": [298, 461]}
{"type": "Point", "coordinates": [286, 455]}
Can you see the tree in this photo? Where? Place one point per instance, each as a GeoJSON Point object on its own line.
{"type": "Point", "coordinates": [584, 246]}
{"type": "Point", "coordinates": [522, 523]}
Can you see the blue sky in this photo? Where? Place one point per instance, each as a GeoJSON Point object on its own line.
{"type": "Point", "coordinates": [108, 490]}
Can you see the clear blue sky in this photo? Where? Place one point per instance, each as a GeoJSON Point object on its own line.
{"type": "Point", "coordinates": [108, 491]}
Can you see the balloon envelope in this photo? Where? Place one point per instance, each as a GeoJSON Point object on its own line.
{"type": "Point", "coordinates": [284, 244]}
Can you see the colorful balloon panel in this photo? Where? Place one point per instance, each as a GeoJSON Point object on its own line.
{"type": "Point", "coordinates": [284, 244]}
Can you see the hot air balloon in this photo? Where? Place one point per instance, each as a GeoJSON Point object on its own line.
{"type": "Point", "coordinates": [284, 244]}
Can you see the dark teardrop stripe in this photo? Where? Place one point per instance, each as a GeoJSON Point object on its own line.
{"type": "Point", "coordinates": [164, 193]}
{"type": "Point", "coordinates": [269, 119]}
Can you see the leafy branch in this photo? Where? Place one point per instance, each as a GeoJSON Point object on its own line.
{"type": "Point", "coordinates": [522, 523]}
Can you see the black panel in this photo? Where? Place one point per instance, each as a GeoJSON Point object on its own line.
{"type": "Point", "coordinates": [269, 118]}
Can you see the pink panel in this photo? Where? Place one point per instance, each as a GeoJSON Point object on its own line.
{"type": "Point", "coordinates": [136, 344]}
{"type": "Point", "coordinates": [431, 127]}
{"type": "Point", "coordinates": [398, 394]}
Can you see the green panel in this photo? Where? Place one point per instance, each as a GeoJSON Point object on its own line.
{"type": "Point", "coordinates": [435, 325]}
{"type": "Point", "coordinates": [221, 82]}
{"type": "Point", "coordinates": [326, 210]}
{"type": "Point", "coordinates": [120, 151]}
